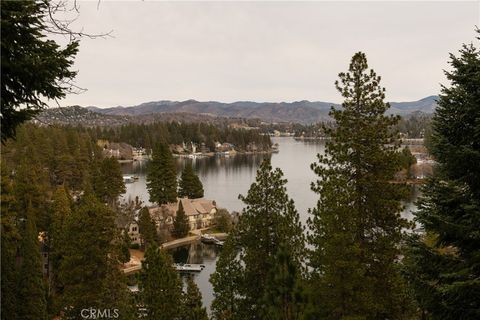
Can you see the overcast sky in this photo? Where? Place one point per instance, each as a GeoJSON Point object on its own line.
{"type": "Point", "coordinates": [263, 51]}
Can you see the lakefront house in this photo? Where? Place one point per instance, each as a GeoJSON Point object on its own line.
{"type": "Point", "coordinates": [129, 225]}
{"type": "Point", "coordinates": [134, 232]}
{"type": "Point", "coordinates": [200, 213]}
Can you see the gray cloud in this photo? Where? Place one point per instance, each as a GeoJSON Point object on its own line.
{"type": "Point", "coordinates": [263, 51]}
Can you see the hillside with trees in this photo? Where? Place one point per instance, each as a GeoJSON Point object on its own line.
{"type": "Point", "coordinates": [174, 133]}
{"type": "Point", "coordinates": [304, 112]}
{"type": "Point", "coordinates": [62, 251]}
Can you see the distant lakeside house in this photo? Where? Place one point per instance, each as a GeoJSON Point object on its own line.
{"type": "Point", "coordinates": [122, 151]}
{"type": "Point", "coordinates": [129, 225]}
{"type": "Point", "coordinates": [44, 251]}
{"type": "Point", "coordinates": [200, 213]}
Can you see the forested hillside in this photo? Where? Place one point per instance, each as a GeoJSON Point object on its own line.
{"type": "Point", "coordinates": [146, 136]}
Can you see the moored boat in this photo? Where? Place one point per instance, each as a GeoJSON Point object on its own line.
{"type": "Point", "coordinates": [128, 179]}
{"type": "Point", "coordinates": [275, 148]}
{"type": "Point", "coordinates": [206, 238]}
{"type": "Point", "coordinates": [187, 267]}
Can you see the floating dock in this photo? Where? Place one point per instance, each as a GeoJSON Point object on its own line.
{"type": "Point", "coordinates": [209, 239]}
{"type": "Point", "coordinates": [188, 267]}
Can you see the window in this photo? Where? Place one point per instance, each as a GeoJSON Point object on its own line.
{"type": "Point", "coordinates": [134, 229]}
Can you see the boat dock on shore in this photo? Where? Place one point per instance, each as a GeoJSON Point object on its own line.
{"type": "Point", "coordinates": [209, 239]}
{"type": "Point", "coordinates": [135, 264]}
{"type": "Point", "coordinates": [188, 267]}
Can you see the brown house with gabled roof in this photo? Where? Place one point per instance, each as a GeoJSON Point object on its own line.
{"type": "Point", "coordinates": [200, 213]}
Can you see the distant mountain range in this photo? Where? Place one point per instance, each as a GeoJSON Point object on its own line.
{"type": "Point", "coordinates": [304, 112]}
{"type": "Point", "coordinates": [299, 111]}
{"type": "Point", "coordinates": [76, 115]}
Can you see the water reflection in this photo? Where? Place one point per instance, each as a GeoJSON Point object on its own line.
{"type": "Point", "coordinates": [200, 253]}
{"type": "Point", "coordinates": [196, 252]}
{"type": "Point", "coordinates": [224, 178]}
{"type": "Point", "coordinates": [231, 164]}
{"type": "Point", "coordinates": [410, 204]}
{"type": "Point", "coordinates": [206, 165]}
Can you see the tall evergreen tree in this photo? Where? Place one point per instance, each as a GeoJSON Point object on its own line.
{"type": "Point", "coordinates": [124, 247]}
{"type": "Point", "coordinates": [407, 160]}
{"type": "Point", "coordinates": [34, 68]}
{"type": "Point", "coordinates": [107, 181]}
{"type": "Point", "coordinates": [356, 225]}
{"type": "Point", "coordinates": [30, 190]}
{"type": "Point", "coordinates": [190, 185]}
{"type": "Point", "coordinates": [444, 264]}
{"type": "Point", "coordinates": [160, 286]}
{"type": "Point", "coordinates": [89, 268]}
{"type": "Point", "coordinates": [147, 228]}
{"type": "Point", "coordinates": [9, 242]}
{"type": "Point", "coordinates": [284, 295]}
{"type": "Point", "coordinates": [192, 302]}
{"type": "Point", "coordinates": [180, 223]}
{"type": "Point", "coordinates": [226, 281]}
{"type": "Point", "coordinates": [223, 221]}
{"type": "Point", "coordinates": [31, 287]}
{"type": "Point", "coordinates": [162, 176]}
{"type": "Point", "coordinates": [60, 210]}
{"type": "Point", "coordinates": [268, 221]}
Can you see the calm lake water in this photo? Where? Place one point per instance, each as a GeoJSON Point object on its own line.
{"type": "Point", "coordinates": [224, 178]}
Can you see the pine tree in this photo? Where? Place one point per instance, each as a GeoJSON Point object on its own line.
{"type": "Point", "coordinates": [124, 247]}
{"type": "Point", "coordinates": [223, 221]}
{"type": "Point", "coordinates": [162, 176]}
{"type": "Point", "coordinates": [34, 68]}
{"type": "Point", "coordinates": [31, 287]}
{"type": "Point", "coordinates": [443, 265]}
{"type": "Point", "coordinates": [284, 296]}
{"type": "Point", "coordinates": [89, 270]}
{"type": "Point", "coordinates": [180, 223]}
{"type": "Point", "coordinates": [9, 241]}
{"type": "Point", "coordinates": [192, 303]}
{"type": "Point", "coordinates": [226, 281]}
{"type": "Point", "coordinates": [60, 210]}
{"type": "Point", "coordinates": [268, 221]}
{"type": "Point", "coordinates": [147, 228]}
{"type": "Point", "coordinates": [407, 160]}
{"type": "Point", "coordinates": [160, 286]}
{"type": "Point", "coordinates": [356, 225]}
{"type": "Point", "coordinates": [107, 181]}
{"type": "Point", "coordinates": [30, 190]}
{"type": "Point", "coordinates": [190, 185]}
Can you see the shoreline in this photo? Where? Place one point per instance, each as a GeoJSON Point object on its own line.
{"type": "Point", "coordinates": [214, 154]}
{"type": "Point", "coordinates": [136, 255]}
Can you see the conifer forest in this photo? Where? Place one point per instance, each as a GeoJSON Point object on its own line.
{"type": "Point", "coordinates": [70, 237]}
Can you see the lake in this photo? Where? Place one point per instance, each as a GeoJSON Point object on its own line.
{"type": "Point", "coordinates": [224, 178]}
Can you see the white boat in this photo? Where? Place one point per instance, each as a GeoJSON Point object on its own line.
{"type": "Point", "coordinates": [128, 179]}
{"type": "Point", "coordinates": [188, 267]}
{"type": "Point", "coordinates": [206, 238]}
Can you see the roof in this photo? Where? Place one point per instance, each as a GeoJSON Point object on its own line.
{"type": "Point", "coordinates": [192, 207]}
{"type": "Point", "coordinates": [122, 220]}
